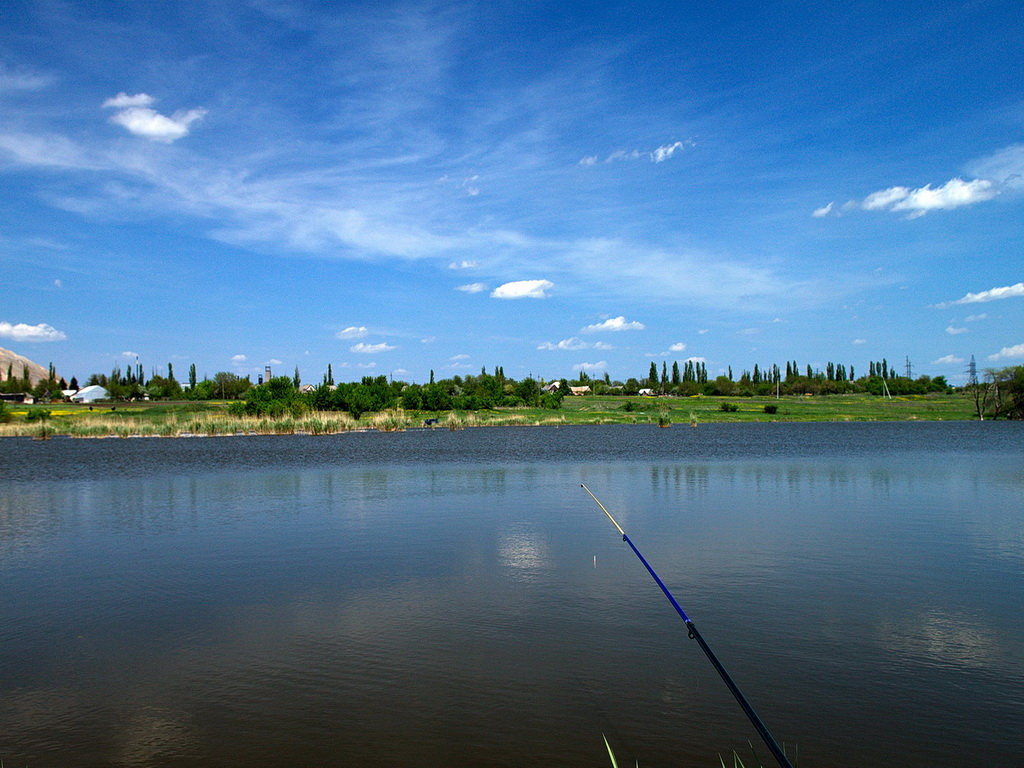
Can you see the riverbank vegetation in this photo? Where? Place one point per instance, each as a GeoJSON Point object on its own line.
{"type": "Point", "coordinates": [283, 406]}
{"type": "Point", "coordinates": [295, 416]}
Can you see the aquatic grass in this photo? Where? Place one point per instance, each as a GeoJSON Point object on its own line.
{"type": "Point", "coordinates": [737, 761]}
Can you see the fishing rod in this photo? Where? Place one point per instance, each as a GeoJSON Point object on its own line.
{"type": "Point", "coordinates": [756, 721]}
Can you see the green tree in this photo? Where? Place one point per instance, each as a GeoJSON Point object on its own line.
{"type": "Point", "coordinates": [192, 376]}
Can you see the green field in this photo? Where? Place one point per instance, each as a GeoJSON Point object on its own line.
{"type": "Point", "coordinates": [212, 418]}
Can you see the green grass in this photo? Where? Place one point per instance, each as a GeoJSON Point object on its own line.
{"type": "Point", "coordinates": [212, 418]}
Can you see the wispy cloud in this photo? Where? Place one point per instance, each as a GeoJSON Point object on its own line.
{"type": "Point", "coordinates": [22, 332]}
{"type": "Point", "coordinates": [238, 359]}
{"type": "Point", "coordinates": [22, 80]}
{"type": "Point", "coordinates": [472, 287]}
{"type": "Point", "coordinates": [1015, 351]}
{"type": "Point", "coordinates": [992, 294]}
{"type": "Point", "coordinates": [353, 332]}
{"type": "Point", "coordinates": [948, 360]}
{"type": "Point", "coordinates": [953, 331]}
{"type": "Point", "coordinates": [1005, 167]}
{"type": "Point", "coordinates": [463, 264]}
{"type": "Point", "coordinates": [591, 367]}
{"type": "Point", "coordinates": [135, 115]}
{"type": "Point", "coordinates": [523, 289]}
{"type": "Point", "coordinates": [656, 155]}
{"type": "Point", "coordinates": [859, 341]}
{"type": "Point", "coordinates": [371, 349]}
{"type": "Point", "coordinates": [614, 324]}
{"type": "Point", "coordinates": [825, 210]}
{"type": "Point", "coordinates": [677, 347]}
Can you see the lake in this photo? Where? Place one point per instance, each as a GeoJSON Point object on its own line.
{"type": "Point", "coordinates": [433, 598]}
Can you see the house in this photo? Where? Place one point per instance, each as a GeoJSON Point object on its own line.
{"type": "Point", "coordinates": [554, 386]}
{"type": "Point", "coordinates": [90, 394]}
{"type": "Point", "coordinates": [18, 397]}
{"type": "Point", "coordinates": [646, 392]}
{"type": "Point", "coordinates": [585, 390]}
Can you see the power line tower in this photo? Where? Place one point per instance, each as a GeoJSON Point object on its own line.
{"type": "Point", "coordinates": [909, 369]}
{"type": "Point", "coordinates": [972, 373]}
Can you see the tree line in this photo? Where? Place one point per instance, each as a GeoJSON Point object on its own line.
{"type": "Point", "coordinates": [995, 395]}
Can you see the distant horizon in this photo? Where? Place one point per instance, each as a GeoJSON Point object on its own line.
{"type": "Point", "coordinates": [553, 189]}
{"type": "Point", "coordinates": [181, 370]}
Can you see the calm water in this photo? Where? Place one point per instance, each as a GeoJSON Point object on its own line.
{"type": "Point", "coordinates": [454, 598]}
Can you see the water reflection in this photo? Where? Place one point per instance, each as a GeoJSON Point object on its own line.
{"type": "Point", "coordinates": [469, 607]}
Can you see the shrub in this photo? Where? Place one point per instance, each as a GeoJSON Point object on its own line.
{"type": "Point", "coordinates": [771, 408]}
{"type": "Point", "coordinates": [40, 414]}
{"type": "Point", "coordinates": [728, 407]}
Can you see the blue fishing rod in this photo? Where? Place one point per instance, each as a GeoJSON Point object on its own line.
{"type": "Point", "coordinates": [756, 721]}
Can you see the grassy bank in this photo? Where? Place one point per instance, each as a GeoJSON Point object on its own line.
{"type": "Point", "coordinates": [207, 419]}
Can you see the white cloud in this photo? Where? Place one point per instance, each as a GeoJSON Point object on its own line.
{"type": "Point", "coordinates": [30, 333]}
{"type": "Point", "coordinates": [352, 332]}
{"type": "Point", "coordinates": [572, 342]}
{"type": "Point", "coordinates": [238, 358]}
{"type": "Point", "coordinates": [953, 194]}
{"type": "Point", "coordinates": [599, 366]}
{"type": "Point", "coordinates": [695, 360]}
{"type": "Point", "coordinates": [129, 354]}
{"type": "Point", "coordinates": [1014, 351]}
{"type": "Point", "coordinates": [472, 287]}
{"type": "Point", "coordinates": [464, 264]}
{"type": "Point", "coordinates": [456, 358]}
{"type": "Point", "coordinates": [702, 331]}
{"type": "Point", "coordinates": [975, 318]}
{"type": "Point", "coordinates": [993, 294]}
{"type": "Point", "coordinates": [428, 339]}
{"type": "Point", "coordinates": [825, 210]}
{"type": "Point", "coordinates": [664, 152]}
{"type": "Point", "coordinates": [371, 349]}
{"type": "Point", "coordinates": [948, 360]}
{"type": "Point", "coordinates": [124, 101]}
{"type": "Point", "coordinates": [859, 341]}
{"type": "Point", "coordinates": [523, 289]}
{"type": "Point", "coordinates": [656, 155]}
{"type": "Point", "coordinates": [274, 361]}
{"type": "Point", "coordinates": [366, 365]}
{"type": "Point", "coordinates": [952, 331]}
{"type": "Point", "coordinates": [619, 323]}
{"type": "Point", "coordinates": [677, 347]}
{"type": "Point", "coordinates": [602, 345]}
{"type": "Point", "coordinates": [57, 283]}
{"type": "Point", "coordinates": [135, 115]}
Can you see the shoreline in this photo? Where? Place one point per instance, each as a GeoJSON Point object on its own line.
{"type": "Point", "coordinates": [211, 419]}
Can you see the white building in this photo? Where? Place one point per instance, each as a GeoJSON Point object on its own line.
{"type": "Point", "coordinates": [90, 394]}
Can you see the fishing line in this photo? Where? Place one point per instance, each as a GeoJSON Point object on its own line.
{"type": "Point", "coordinates": [756, 721]}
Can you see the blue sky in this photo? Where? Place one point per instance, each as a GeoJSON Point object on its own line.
{"type": "Point", "coordinates": [550, 187]}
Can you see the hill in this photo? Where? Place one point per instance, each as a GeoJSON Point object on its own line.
{"type": "Point", "coordinates": [18, 364]}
